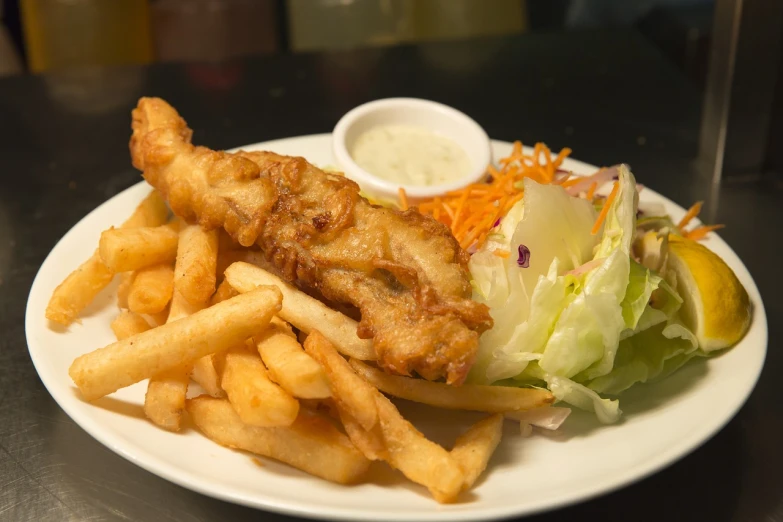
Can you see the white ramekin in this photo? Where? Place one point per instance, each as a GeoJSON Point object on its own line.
{"type": "Point", "coordinates": [436, 117]}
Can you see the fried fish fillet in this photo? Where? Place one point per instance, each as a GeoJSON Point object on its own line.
{"type": "Point", "coordinates": [404, 271]}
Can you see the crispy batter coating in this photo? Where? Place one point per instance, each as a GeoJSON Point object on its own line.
{"type": "Point", "coordinates": [404, 271]}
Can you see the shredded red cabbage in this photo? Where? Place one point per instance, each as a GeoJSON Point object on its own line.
{"type": "Point", "coordinates": [523, 261]}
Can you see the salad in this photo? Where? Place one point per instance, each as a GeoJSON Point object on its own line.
{"type": "Point", "coordinates": [590, 294]}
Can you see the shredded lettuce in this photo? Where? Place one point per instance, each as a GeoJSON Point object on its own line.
{"type": "Point", "coordinates": [587, 334]}
{"type": "Point", "coordinates": [566, 390]}
{"type": "Point", "coordinates": [525, 302]}
{"type": "Point", "coordinates": [649, 355]}
{"type": "Point", "coordinates": [585, 319]}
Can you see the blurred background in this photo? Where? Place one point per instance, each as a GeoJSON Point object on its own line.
{"type": "Point", "coordinates": [727, 49]}
{"type": "Point", "coordinates": [42, 35]}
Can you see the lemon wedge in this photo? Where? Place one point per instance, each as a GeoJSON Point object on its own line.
{"type": "Point", "coordinates": [716, 306]}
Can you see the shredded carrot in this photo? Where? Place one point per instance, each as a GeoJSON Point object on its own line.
{"type": "Point", "coordinates": [473, 211]}
{"type": "Point", "coordinates": [403, 199]}
{"type": "Point", "coordinates": [448, 210]}
{"type": "Point", "coordinates": [550, 166]}
{"type": "Point", "coordinates": [591, 191]}
{"type": "Point", "coordinates": [436, 208]}
{"type": "Point", "coordinates": [701, 232]}
{"type": "Point", "coordinates": [605, 209]}
{"type": "Point", "coordinates": [692, 213]}
{"type": "Point", "coordinates": [502, 253]}
{"type": "Point", "coordinates": [571, 182]}
{"type": "Point", "coordinates": [561, 157]}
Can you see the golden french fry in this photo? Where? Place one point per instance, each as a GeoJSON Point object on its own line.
{"type": "Point", "coordinates": [289, 365]}
{"type": "Point", "coordinates": [83, 284]}
{"type": "Point", "coordinates": [492, 399]}
{"type": "Point", "coordinates": [151, 212]}
{"type": "Point", "coordinates": [392, 438]}
{"type": "Point", "coordinates": [158, 319]}
{"type": "Point", "coordinates": [78, 290]}
{"type": "Point", "coordinates": [223, 292]}
{"type": "Point", "coordinates": [351, 393]}
{"type": "Point", "coordinates": [211, 330]}
{"type": "Point", "coordinates": [127, 324]}
{"type": "Point", "coordinates": [123, 250]}
{"type": "Point", "coordinates": [151, 289]}
{"type": "Point", "coordinates": [123, 289]}
{"type": "Point", "coordinates": [305, 312]}
{"type": "Point", "coordinates": [475, 447]}
{"type": "Point", "coordinates": [164, 401]}
{"type": "Point", "coordinates": [204, 373]}
{"type": "Point", "coordinates": [226, 258]}
{"type": "Point", "coordinates": [369, 442]}
{"type": "Point", "coordinates": [167, 390]}
{"type": "Point", "coordinates": [257, 400]}
{"type": "Point", "coordinates": [311, 444]}
{"type": "Point", "coordinates": [194, 242]}
{"type": "Point", "coordinates": [196, 260]}
{"type": "Point", "coordinates": [418, 458]}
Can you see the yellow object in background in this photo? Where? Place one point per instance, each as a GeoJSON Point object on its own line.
{"type": "Point", "coordinates": [68, 33]}
{"type": "Point", "coordinates": [331, 24]}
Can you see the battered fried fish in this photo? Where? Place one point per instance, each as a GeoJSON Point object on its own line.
{"type": "Point", "coordinates": [404, 271]}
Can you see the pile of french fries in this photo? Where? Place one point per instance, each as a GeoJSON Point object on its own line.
{"type": "Point", "coordinates": [195, 307]}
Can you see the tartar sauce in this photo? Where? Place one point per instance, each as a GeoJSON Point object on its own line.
{"type": "Point", "coordinates": [410, 155]}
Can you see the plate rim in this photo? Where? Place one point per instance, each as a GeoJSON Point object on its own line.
{"type": "Point", "coordinates": [170, 472]}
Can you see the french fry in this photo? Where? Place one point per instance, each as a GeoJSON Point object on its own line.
{"type": "Point", "coordinates": [194, 280]}
{"type": "Point", "coordinates": [223, 292]}
{"type": "Point", "coordinates": [164, 401]}
{"type": "Point", "coordinates": [418, 458]}
{"type": "Point", "coordinates": [123, 250]}
{"type": "Point", "coordinates": [392, 439]}
{"type": "Point", "coordinates": [151, 212]}
{"type": "Point", "coordinates": [78, 290]}
{"type": "Point", "coordinates": [305, 312]}
{"type": "Point", "coordinates": [167, 390]}
{"type": "Point", "coordinates": [311, 444]}
{"type": "Point", "coordinates": [83, 284]}
{"type": "Point", "coordinates": [289, 365]}
{"type": "Point", "coordinates": [492, 399]}
{"type": "Point", "coordinates": [196, 260]}
{"type": "Point", "coordinates": [151, 289]}
{"type": "Point", "coordinates": [475, 447]}
{"type": "Point", "coordinates": [205, 373]}
{"type": "Point", "coordinates": [369, 442]}
{"type": "Point", "coordinates": [123, 289]}
{"type": "Point", "coordinates": [159, 318]}
{"type": "Point", "coordinates": [226, 258]}
{"type": "Point", "coordinates": [356, 396]}
{"type": "Point", "coordinates": [128, 324]}
{"type": "Point", "coordinates": [257, 400]}
{"type": "Point", "coordinates": [208, 331]}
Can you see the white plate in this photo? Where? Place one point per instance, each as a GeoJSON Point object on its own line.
{"type": "Point", "coordinates": [662, 422]}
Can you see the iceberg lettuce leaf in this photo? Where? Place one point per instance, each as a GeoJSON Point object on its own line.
{"type": "Point", "coordinates": [587, 334]}
{"type": "Point", "coordinates": [556, 229]}
{"type": "Point", "coordinates": [646, 356]}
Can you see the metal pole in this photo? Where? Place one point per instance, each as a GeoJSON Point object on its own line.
{"type": "Point", "coordinates": [741, 82]}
